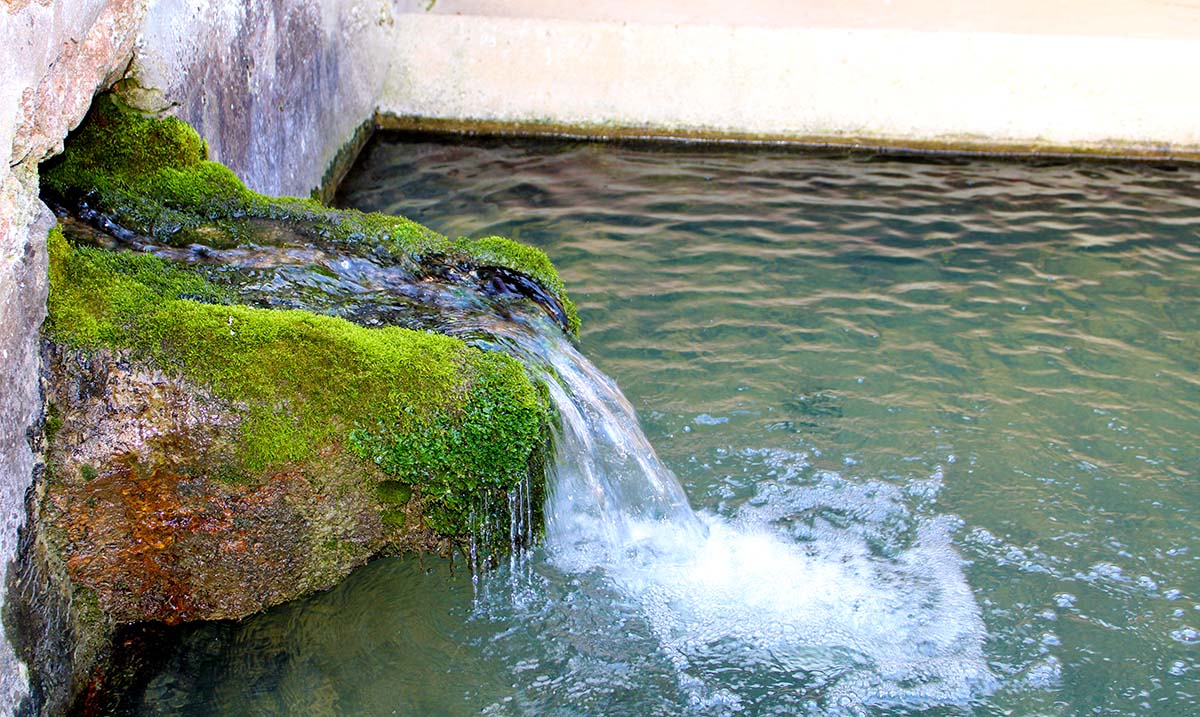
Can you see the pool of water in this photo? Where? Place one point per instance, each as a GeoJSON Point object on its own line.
{"type": "Point", "coordinates": [940, 417]}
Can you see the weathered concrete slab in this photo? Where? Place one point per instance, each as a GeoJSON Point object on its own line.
{"type": "Point", "coordinates": [1101, 18]}
{"type": "Point", "coordinates": [1082, 81]}
{"type": "Point", "coordinates": [277, 88]}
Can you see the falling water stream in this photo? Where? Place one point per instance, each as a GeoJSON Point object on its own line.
{"type": "Point", "coordinates": [888, 630]}
{"type": "Point", "coordinates": [916, 438]}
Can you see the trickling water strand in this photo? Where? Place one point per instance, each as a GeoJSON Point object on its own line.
{"type": "Point", "coordinates": [521, 534]}
{"type": "Point", "coordinates": [518, 537]}
{"type": "Point", "coordinates": [513, 498]}
{"type": "Point", "coordinates": [473, 554]}
{"type": "Point", "coordinates": [606, 487]}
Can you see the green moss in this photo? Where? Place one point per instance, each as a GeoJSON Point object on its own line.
{"type": "Point", "coordinates": [94, 293]}
{"type": "Point", "coordinates": [152, 176]}
{"type": "Point", "coordinates": [425, 454]}
{"type": "Point", "coordinates": [393, 493]}
{"type": "Point", "coordinates": [394, 518]}
{"type": "Point", "coordinates": [54, 422]}
{"type": "Point", "coordinates": [453, 423]}
{"type": "Point", "coordinates": [500, 251]}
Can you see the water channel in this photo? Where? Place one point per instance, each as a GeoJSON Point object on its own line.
{"type": "Point", "coordinates": [936, 419]}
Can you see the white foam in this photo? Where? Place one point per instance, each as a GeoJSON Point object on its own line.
{"type": "Point", "coordinates": [892, 631]}
{"type": "Point", "coordinates": [874, 610]}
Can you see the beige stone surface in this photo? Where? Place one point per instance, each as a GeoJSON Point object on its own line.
{"type": "Point", "coordinates": [1179, 19]}
{"type": "Point", "coordinates": [1070, 76]}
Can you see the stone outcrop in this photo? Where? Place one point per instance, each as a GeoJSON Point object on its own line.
{"type": "Point", "coordinates": [205, 459]}
{"type": "Point", "coordinates": [132, 528]}
{"type": "Point", "coordinates": [55, 56]}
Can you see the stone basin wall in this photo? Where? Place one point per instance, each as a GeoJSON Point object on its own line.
{"type": "Point", "coordinates": [283, 89]}
{"type": "Point", "coordinates": [278, 88]}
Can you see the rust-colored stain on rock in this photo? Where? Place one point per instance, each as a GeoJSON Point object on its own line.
{"type": "Point", "coordinates": [147, 508]}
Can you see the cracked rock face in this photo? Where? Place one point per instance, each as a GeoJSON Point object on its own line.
{"type": "Point", "coordinates": [139, 523]}
{"type": "Point", "coordinates": [54, 56]}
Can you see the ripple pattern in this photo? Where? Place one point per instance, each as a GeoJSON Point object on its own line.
{"type": "Point", "coordinates": [829, 345]}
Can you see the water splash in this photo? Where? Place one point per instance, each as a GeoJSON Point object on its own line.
{"type": "Point", "coordinates": [849, 621]}
{"type": "Point", "coordinates": [770, 612]}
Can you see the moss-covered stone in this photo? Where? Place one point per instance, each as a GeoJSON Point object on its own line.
{"type": "Point", "coordinates": [151, 176]}
{"type": "Point", "coordinates": [456, 424]}
{"type": "Point", "coordinates": [206, 459]}
{"type": "Point", "coordinates": [393, 493]}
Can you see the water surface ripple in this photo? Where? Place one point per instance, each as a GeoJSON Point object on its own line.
{"type": "Point", "coordinates": [955, 372]}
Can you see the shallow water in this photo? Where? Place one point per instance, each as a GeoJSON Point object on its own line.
{"type": "Point", "coordinates": [938, 418]}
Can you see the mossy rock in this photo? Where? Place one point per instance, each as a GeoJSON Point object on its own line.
{"type": "Point", "coordinates": [150, 176]}
{"type": "Point", "coordinates": [393, 493]}
{"type": "Point", "coordinates": [251, 455]}
{"type": "Point", "coordinates": [456, 425]}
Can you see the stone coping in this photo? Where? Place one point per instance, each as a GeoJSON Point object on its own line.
{"type": "Point", "coordinates": [581, 71]}
{"type": "Point", "coordinates": [1177, 19]}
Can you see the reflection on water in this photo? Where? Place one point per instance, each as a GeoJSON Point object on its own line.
{"type": "Point", "coordinates": [938, 417]}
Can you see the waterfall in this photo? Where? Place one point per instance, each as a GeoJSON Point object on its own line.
{"type": "Point", "coordinates": [901, 630]}
{"type": "Point", "coordinates": [736, 604]}
{"type": "Point", "coordinates": [607, 491]}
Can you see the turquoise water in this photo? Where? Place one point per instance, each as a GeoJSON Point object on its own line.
{"type": "Point", "coordinates": [940, 417]}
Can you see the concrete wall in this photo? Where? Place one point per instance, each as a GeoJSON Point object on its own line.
{"type": "Point", "coordinates": [1075, 77]}
{"type": "Point", "coordinates": [277, 87]}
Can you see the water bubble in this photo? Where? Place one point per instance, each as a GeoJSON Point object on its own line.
{"type": "Point", "coordinates": [1064, 600]}
{"type": "Point", "coordinates": [1044, 674]}
{"type": "Point", "coordinates": [1186, 635]}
